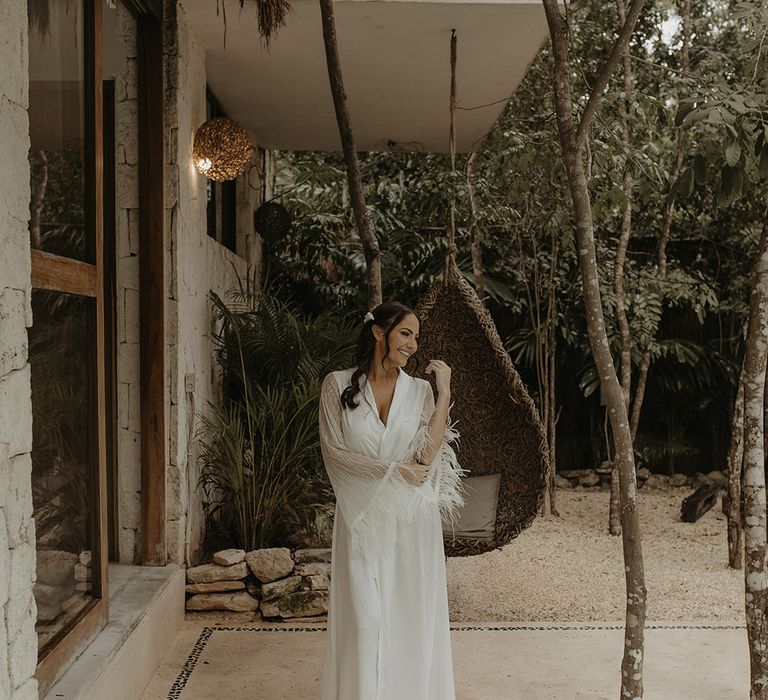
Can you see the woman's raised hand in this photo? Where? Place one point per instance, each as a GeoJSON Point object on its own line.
{"type": "Point", "coordinates": [442, 376]}
{"type": "Point", "coordinates": [414, 472]}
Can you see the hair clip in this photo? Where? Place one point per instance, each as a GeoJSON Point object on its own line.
{"type": "Point", "coordinates": [368, 317]}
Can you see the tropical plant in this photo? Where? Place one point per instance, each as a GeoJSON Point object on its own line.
{"type": "Point", "coordinates": [260, 465]}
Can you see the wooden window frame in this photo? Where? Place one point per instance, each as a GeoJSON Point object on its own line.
{"type": "Point", "coordinates": [65, 275]}
{"type": "Point", "coordinates": [61, 274]}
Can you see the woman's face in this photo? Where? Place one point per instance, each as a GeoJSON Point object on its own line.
{"type": "Point", "coordinates": [403, 341]}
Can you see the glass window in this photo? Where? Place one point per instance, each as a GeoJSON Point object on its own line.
{"type": "Point", "coordinates": [56, 128]}
{"type": "Point", "coordinates": [62, 363]}
{"type": "Point", "coordinates": [222, 198]}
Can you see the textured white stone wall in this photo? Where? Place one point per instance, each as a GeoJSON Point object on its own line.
{"type": "Point", "coordinates": [127, 292]}
{"type": "Point", "coordinates": [18, 641]}
{"type": "Point", "coordinates": [196, 265]}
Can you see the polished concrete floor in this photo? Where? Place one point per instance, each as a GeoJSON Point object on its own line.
{"type": "Point", "coordinates": [492, 661]}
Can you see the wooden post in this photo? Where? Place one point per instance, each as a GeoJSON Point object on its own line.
{"type": "Point", "coordinates": [152, 546]}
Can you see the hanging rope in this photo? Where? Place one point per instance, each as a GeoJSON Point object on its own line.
{"type": "Point", "coordinates": [452, 148]}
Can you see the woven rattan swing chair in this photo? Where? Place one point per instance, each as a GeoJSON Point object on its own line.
{"type": "Point", "coordinates": [501, 432]}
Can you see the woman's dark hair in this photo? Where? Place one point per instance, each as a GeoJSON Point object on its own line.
{"type": "Point", "coordinates": [386, 316]}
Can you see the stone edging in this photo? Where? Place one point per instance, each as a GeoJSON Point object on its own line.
{"type": "Point", "coordinates": [207, 632]}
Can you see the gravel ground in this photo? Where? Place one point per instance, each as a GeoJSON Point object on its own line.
{"type": "Point", "coordinates": [570, 569]}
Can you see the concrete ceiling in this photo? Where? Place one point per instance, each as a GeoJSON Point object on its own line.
{"type": "Point", "coordinates": [395, 62]}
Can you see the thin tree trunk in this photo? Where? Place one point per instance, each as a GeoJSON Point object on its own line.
{"type": "Point", "coordinates": [625, 364]}
{"type": "Point", "coordinates": [367, 236]}
{"type": "Point", "coordinates": [572, 140]}
{"type": "Point", "coordinates": [36, 207]}
{"type": "Point", "coordinates": [677, 167]}
{"type": "Point", "coordinates": [755, 545]}
{"type": "Point", "coordinates": [735, 464]}
{"type": "Point", "coordinates": [551, 353]}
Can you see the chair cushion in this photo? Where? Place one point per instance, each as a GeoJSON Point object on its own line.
{"type": "Point", "coordinates": [477, 518]}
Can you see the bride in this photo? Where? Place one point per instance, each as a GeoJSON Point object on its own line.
{"type": "Point", "coordinates": [387, 449]}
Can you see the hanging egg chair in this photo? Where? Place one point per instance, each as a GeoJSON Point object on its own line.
{"type": "Point", "coordinates": [502, 444]}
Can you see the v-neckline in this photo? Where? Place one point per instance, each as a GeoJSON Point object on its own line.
{"type": "Point", "coordinates": [369, 389]}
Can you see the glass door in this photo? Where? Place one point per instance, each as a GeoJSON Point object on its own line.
{"type": "Point", "coordinates": [66, 340]}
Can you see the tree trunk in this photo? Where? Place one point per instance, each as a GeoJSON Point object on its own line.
{"type": "Point", "coordinates": [735, 463]}
{"type": "Point", "coordinates": [572, 141]}
{"type": "Point", "coordinates": [36, 206]}
{"type": "Point", "coordinates": [755, 545]}
{"type": "Point", "coordinates": [677, 167]}
{"type": "Point", "coordinates": [625, 365]}
{"type": "Point", "coordinates": [367, 236]}
{"type": "Point", "coordinates": [551, 351]}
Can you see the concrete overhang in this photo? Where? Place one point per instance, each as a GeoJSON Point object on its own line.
{"type": "Point", "coordinates": [395, 61]}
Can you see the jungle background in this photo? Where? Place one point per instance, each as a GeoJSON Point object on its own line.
{"type": "Point", "coordinates": [698, 159]}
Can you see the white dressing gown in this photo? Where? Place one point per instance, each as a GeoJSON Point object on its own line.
{"type": "Point", "coordinates": [388, 630]}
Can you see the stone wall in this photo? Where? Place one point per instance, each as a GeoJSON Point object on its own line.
{"type": "Point", "coordinates": [18, 641]}
{"type": "Point", "coordinates": [128, 427]}
{"type": "Point", "coordinates": [196, 264]}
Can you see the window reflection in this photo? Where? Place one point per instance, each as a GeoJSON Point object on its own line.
{"type": "Point", "coordinates": [60, 357]}
{"type": "Point", "coordinates": [56, 128]}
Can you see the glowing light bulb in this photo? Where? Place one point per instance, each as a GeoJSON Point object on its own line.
{"type": "Point", "coordinates": [204, 165]}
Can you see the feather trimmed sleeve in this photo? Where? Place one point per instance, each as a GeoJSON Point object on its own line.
{"type": "Point", "coordinates": [447, 486]}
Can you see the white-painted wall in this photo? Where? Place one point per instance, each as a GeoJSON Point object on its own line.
{"type": "Point", "coordinates": [196, 264]}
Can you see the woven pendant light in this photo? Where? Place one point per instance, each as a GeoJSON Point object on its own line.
{"type": "Point", "coordinates": [222, 149]}
{"type": "Point", "coordinates": [501, 432]}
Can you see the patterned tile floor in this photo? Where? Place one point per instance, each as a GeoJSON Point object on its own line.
{"type": "Point", "coordinates": [525, 661]}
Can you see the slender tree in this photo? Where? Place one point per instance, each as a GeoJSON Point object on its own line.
{"type": "Point", "coordinates": [364, 229]}
{"type": "Point", "coordinates": [573, 142]}
{"type": "Point", "coordinates": [735, 466]}
{"type": "Point", "coordinates": [755, 544]}
{"type": "Point", "coordinates": [625, 337]}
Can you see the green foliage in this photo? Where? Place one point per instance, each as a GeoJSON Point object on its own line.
{"type": "Point", "coordinates": [260, 465]}
{"type": "Point", "coordinates": [523, 207]}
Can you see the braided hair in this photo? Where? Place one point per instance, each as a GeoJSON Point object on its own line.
{"type": "Point", "coordinates": [386, 316]}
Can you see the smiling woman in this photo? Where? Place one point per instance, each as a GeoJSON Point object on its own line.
{"type": "Point", "coordinates": [388, 452]}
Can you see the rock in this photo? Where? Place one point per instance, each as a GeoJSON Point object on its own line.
{"type": "Point", "coordinates": [562, 483]}
{"type": "Point", "coordinates": [82, 573]}
{"type": "Point", "coordinates": [208, 573]}
{"type": "Point", "coordinates": [253, 588]}
{"type": "Point", "coordinates": [591, 478]}
{"type": "Point", "coordinates": [228, 557]}
{"type": "Point", "coordinates": [299, 604]}
{"type": "Point", "coordinates": [656, 481]}
{"type": "Point", "coordinates": [45, 594]}
{"type": "Point", "coordinates": [643, 473]}
{"type": "Point", "coordinates": [605, 468]}
{"type": "Point", "coordinates": [574, 473]}
{"type": "Point", "coordinates": [277, 589]}
{"type": "Point", "coordinates": [215, 587]}
{"type": "Point", "coordinates": [311, 556]}
{"type": "Point", "coordinates": [314, 568]}
{"type": "Point", "coordinates": [85, 557]}
{"type": "Point", "coordinates": [55, 567]}
{"type": "Point", "coordinates": [270, 564]}
{"type": "Point", "coordinates": [719, 479]}
{"type": "Point", "coordinates": [678, 480]}
{"type": "Point", "coordinates": [236, 602]}
{"type": "Point", "coordinates": [317, 582]}
{"type": "Point", "coordinates": [48, 612]}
